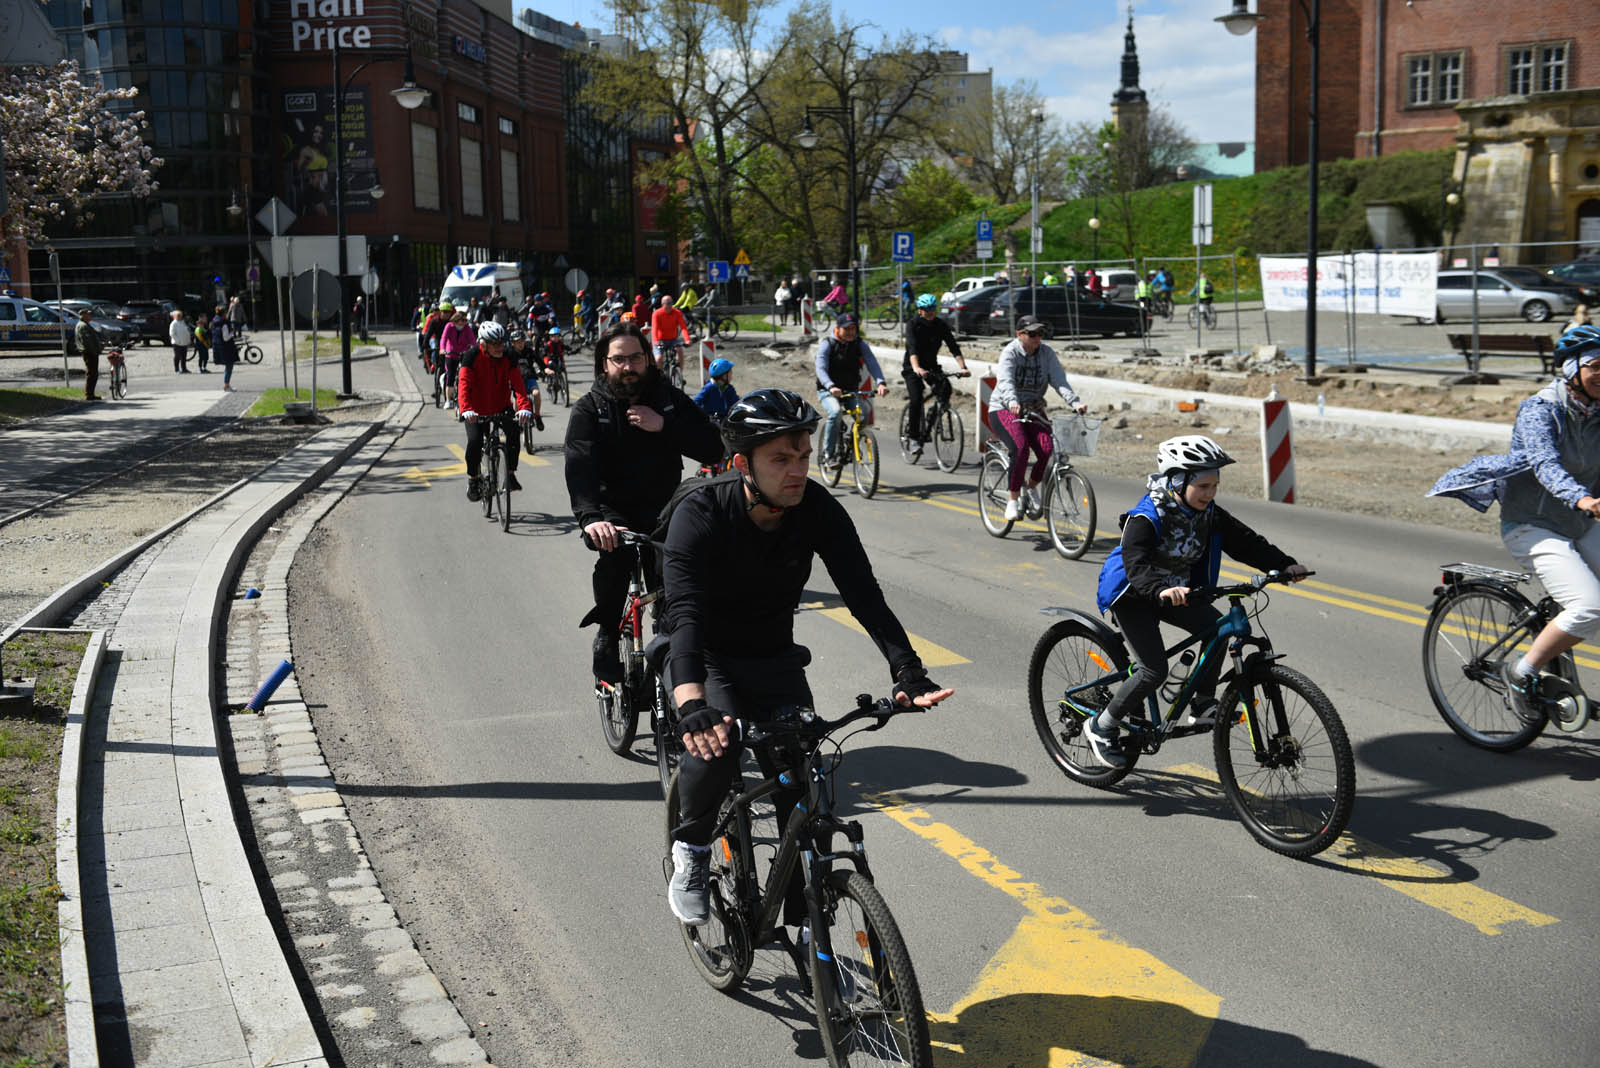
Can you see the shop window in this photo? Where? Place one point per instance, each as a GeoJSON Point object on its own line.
{"type": "Point", "coordinates": [424, 166]}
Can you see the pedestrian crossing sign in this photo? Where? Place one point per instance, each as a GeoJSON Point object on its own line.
{"type": "Point", "coordinates": [742, 259]}
{"type": "Point", "coordinates": [741, 270]}
{"type": "Point", "coordinates": [5, 274]}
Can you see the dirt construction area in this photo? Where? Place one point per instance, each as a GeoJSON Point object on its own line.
{"type": "Point", "coordinates": [1345, 474]}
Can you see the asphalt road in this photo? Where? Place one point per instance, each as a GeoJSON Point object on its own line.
{"type": "Point", "coordinates": [1051, 924]}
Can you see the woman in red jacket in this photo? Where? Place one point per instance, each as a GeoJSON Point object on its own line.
{"type": "Point", "coordinates": [489, 386]}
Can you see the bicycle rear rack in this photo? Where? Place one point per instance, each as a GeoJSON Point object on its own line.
{"type": "Point", "coordinates": [1456, 572]}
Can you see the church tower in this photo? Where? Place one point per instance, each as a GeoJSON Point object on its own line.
{"type": "Point", "coordinates": [1128, 104]}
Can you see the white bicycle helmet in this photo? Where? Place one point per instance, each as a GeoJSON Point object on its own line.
{"type": "Point", "coordinates": [1190, 453]}
{"type": "Point", "coordinates": [491, 333]}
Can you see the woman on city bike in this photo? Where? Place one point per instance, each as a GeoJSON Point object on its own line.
{"type": "Point", "coordinates": [1026, 369]}
{"type": "Point", "coordinates": [1172, 543]}
{"type": "Point", "coordinates": [1547, 506]}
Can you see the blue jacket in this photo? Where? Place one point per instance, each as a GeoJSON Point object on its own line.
{"type": "Point", "coordinates": [715, 400]}
{"type": "Point", "coordinates": [1535, 447]}
{"type": "Point", "coordinates": [1114, 576]}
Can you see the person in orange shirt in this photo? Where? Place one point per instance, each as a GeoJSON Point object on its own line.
{"type": "Point", "coordinates": [667, 327]}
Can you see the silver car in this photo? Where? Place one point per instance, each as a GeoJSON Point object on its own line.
{"type": "Point", "coordinates": [1499, 297]}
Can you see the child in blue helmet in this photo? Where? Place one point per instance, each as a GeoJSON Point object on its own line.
{"type": "Point", "coordinates": [1548, 507]}
{"type": "Point", "coordinates": [718, 395]}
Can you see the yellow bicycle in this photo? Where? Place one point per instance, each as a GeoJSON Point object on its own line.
{"type": "Point", "coordinates": [856, 445]}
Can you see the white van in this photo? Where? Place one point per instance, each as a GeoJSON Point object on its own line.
{"type": "Point", "coordinates": [481, 280]}
{"type": "Point", "coordinates": [967, 285]}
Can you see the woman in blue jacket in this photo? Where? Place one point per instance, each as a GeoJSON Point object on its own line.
{"type": "Point", "coordinates": [1172, 543]}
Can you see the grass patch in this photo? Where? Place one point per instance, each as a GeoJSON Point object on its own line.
{"type": "Point", "coordinates": [32, 1016]}
{"type": "Point", "coordinates": [19, 404]}
{"type": "Point", "coordinates": [271, 403]}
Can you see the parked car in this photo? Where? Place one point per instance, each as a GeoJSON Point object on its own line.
{"type": "Point", "coordinates": [968, 285]}
{"type": "Point", "coordinates": [1118, 284]}
{"type": "Point", "coordinates": [1503, 292]}
{"type": "Point", "coordinates": [1065, 309]}
{"type": "Point", "coordinates": [969, 312]}
{"type": "Point", "coordinates": [1582, 273]}
{"type": "Point", "coordinates": [149, 317]}
{"type": "Point", "coordinates": [112, 330]}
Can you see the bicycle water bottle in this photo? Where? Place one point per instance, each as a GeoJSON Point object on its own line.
{"type": "Point", "coordinates": [1176, 675]}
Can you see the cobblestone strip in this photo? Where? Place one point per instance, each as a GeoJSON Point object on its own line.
{"type": "Point", "coordinates": [380, 999]}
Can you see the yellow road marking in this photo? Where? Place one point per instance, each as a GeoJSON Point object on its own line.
{"type": "Point", "coordinates": [425, 477]}
{"type": "Point", "coordinates": [1417, 879]}
{"type": "Point", "coordinates": [526, 461]}
{"type": "Point", "coordinates": [931, 653]}
{"type": "Point", "coordinates": [1049, 987]}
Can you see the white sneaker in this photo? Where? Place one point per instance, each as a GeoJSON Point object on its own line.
{"type": "Point", "coordinates": [688, 894]}
{"type": "Point", "coordinates": [1013, 510]}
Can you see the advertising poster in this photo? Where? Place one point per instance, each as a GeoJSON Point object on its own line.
{"type": "Point", "coordinates": [1369, 283]}
{"type": "Point", "coordinates": [308, 150]}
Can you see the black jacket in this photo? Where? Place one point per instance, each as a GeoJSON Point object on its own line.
{"type": "Point", "coordinates": [622, 474]}
{"type": "Point", "coordinates": [924, 338]}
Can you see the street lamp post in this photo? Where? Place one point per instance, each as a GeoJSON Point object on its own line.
{"type": "Point", "coordinates": [1094, 228]}
{"type": "Point", "coordinates": [1241, 21]}
{"type": "Point", "coordinates": [409, 96]}
{"type": "Point", "coordinates": [845, 115]}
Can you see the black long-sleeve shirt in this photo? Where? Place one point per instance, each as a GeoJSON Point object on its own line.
{"type": "Point", "coordinates": [623, 474]}
{"type": "Point", "coordinates": [732, 588]}
{"type": "Point", "coordinates": [1238, 541]}
{"type": "Point", "coordinates": [923, 337]}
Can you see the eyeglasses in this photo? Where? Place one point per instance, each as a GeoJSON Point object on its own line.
{"type": "Point", "coordinates": [622, 359]}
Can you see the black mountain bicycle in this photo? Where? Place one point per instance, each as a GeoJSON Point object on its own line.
{"type": "Point", "coordinates": [1280, 747]}
{"type": "Point", "coordinates": [856, 964]}
{"type": "Point", "coordinates": [495, 485]}
{"type": "Point", "coordinates": [941, 424]}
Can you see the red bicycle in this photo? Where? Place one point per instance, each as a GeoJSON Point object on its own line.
{"type": "Point", "coordinates": [639, 688]}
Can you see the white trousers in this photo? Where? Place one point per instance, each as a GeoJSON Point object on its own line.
{"type": "Point", "coordinates": [1567, 568]}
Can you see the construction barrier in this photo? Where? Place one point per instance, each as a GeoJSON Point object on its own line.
{"type": "Point", "coordinates": [708, 352]}
{"type": "Point", "coordinates": [1277, 449]}
{"type": "Point", "coordinates": [807, 327]}
{"type": "Point", "coordinates": [982, 428]}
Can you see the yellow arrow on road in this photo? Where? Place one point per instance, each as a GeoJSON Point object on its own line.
{"type": "Point", "coordinates": [1063, 991]}
{"type": "Point", "coordinates": [416, 474]}
{"type": "Point", "coordinates": [932, 654]}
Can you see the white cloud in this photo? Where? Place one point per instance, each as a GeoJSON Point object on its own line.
{"type": "Point", "coordinates": [1188, 62]}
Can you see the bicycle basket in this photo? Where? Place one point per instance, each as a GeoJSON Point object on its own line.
{"type": "Point", "coordinates": [1075, 435]}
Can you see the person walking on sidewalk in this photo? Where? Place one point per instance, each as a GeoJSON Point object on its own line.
{"type": "Point", "coordinates": [202, 341]}
{"type": "Point", "coordinates": [89, 348]}
{"type": "Point", "coordinates": [236, 316]}
{"type": "Point", "coordinates": [224, 346]}
{"type": "Point", "coordinates": [182, 337]}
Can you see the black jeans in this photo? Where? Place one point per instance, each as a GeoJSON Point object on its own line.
{"type": "Point", "coordinates": [938, 384]}
{"type": "Point", "coordinates": [511, 442]}
{"type": "Point", "coordinates": [612, 572]}
{"type": "Point", "coordinates": [1141, 629]}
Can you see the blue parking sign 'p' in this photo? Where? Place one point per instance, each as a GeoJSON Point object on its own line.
{"type": "Point", "coordinates": [903, 243]}
{"type": "Point", "coordinates": [985, 229]}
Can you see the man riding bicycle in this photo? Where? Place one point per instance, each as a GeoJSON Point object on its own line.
{"type": "Point", "coordinates": [669, 332]}
{"type": "Point", "coordinates": [526, 357]}
{"type": "Point", "coordinates": [924, 335]}
{"type": "Point", "coordinates": [1548, 507]}
{"type": "Point", "coordinates": [1026, 369]}
{"type": "Point", "coordinates": [625, 445]}
{"type": "Point", "coordinates": [488, 383]}
{"type": "Point", "coordinates": [733, 653]}
{"type": "Point", "coordinates": [840, 359]}
{"type": "Point", "coordinates": [1204, 290]}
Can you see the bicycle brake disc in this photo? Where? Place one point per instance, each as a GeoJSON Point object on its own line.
{"type": "Point", "coordinates": [1565, 702]}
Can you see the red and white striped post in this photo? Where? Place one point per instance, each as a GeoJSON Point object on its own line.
{"type": "Point", "coordinates": [1277, 449]}
{"type": "Point", "coordinates": [708, 352]}
{"type": "Point", "coordinates": [985, 431]}
{"type": "Point", "coordinates": [807, 328]}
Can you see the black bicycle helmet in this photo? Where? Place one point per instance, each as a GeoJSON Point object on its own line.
{"type": "Point", "coordinates": [764, 415]}
{"type": "Point", "coordinates": [1576, 347]}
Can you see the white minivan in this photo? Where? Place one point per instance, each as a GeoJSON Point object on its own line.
{"type": "Point", "coordinates": [481, 280]}
{"type": "Point", "coordinates": [967, 285]}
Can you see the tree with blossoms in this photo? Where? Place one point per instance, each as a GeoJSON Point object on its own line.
{"type": "Point", "coordinates": [67, 140]}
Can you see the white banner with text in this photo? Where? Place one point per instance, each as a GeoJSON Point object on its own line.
{"type": "Point", "coordinates": [1368, 283]}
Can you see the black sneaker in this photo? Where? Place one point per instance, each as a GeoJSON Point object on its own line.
{"type": "Point", "coordinates": [1202, 712]}
{"type": "Point", "coordinates": [538, 421]}
{"type": "Point", "coordinates": [511, 480]}
{"type": "Point", "coordinates": [1522, 691]}
{"type": "Point", "coordinates": [474, 492]}
{"type": "Point", "coordinates": [607, 666]}
{"type": "Point", "coordinates": [1103, 744]}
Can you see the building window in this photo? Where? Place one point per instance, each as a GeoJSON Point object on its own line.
{"type": "Point", "coordinates": [508, 127]}
{"type": "Point", "coordinates": [424, 166]}
{"type": "Point", "coordinates": [471, 178]}
{"type": "Point", "coordinates": [1433, 79]}
{"type": "Point", "coordinates": [510, 191]}
{"type": "Point", "coordinates": [467, 112]}
{"type": "Point", "coordinates": [1537, 68]}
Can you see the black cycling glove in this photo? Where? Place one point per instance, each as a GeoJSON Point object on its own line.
{"type": "Point", "coordinates": [914, 684]}
{"type": "Point", "coordinates": [694, 716]}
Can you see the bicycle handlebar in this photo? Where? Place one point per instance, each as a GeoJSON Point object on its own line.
{"type": "Point", "coordinates": [813, 726]}
{"type": "Point", "coordinates": [1246, 589]}
{"type": "Point", "coordinates": [624, 535]}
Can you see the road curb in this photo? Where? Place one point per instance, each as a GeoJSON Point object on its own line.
{"type": "Point", "coordinates": [83, 1049]}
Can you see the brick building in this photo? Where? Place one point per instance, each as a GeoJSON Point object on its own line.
{"type": "Point", "coordinates": [1283, 80]}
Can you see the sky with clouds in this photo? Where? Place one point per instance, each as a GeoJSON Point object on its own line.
{"type": "Point", "coordinates": [1073, 50]}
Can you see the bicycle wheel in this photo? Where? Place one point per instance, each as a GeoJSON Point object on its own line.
{"type": "Point", "coordinates": [527, 439]}
{"type": "Point", "coordinates": [1067, 655]}
{"type": "Point", "coordinates": [720, 948]}
{"type": "Point", "coordinates": [868, 1001]}
{"type": "Point", "coordinates": [669, 744]}
{"type": "Point", "coordinates": [949, 439]}
{"type": "Point", "coordinates": [674, 371]}
{"type": "Point", "coordinates": [438, 390]}
{"type": "Point", "coordinates": [505, 502]}
{"type": "Point", "coordinates": [888, 318]}
{"type": "Point", "coordinates": [491, 470]}
{"type": "Point", "coordinates": [1295, 795]}
{"type": "Point", "coordinates": [831, 467]}
{"type": "Point", "coordinates": [725, 328]}
{"type": "Point", "coordinates": [1469, 632]}
{"type": "Point", "coordinates": [1194, 315]}
{"type": "Point", "coordinates": [252, 354]}
{"type": "Point", "coordinates": [565, 389]}
{"type": "Point", "coordinates": [993, 479]}
{"type": "Point", "coordinates": [619, 720]}
{"type": "Point", "coordinates": [1071, 514]}
{"type": "Point", "coordinates": [119, 382]}
{"type": "Point", "coordinates": [910, 448]}
{"type": "Point", "coordinates": [865, 469]}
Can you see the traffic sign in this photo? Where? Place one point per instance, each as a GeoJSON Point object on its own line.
{"type": "Point", "coordinates": [663, 261]}
{"type": "Point", "coordinates": [575, 279]}
{"type": "Point", "coordinates": [1200, 228]}
{"type": "Point", "coordinates": [903, 245]}
{"type": "Point", "coordinates": [1036, 240]}
{"type": "Point", "coordinates": [252, 274]}
{"type": "Point", "coordinates": [717, 271]}
{"type": "Point", "coordinates": [741, 270]}
{"type": "Point", "coordinates": [275, 217]}
{"type": "Point", "coordinates": [5, 274]}
{"type": "Point", "coordinates": [743, 258]}
{"type": "Point", "coordinates": [560, 263]}
{"type": "Point", "coordinates": [986, 232]}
